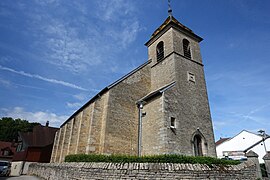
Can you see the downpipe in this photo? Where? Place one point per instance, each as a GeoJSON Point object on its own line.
{"type": "Point", "coordinates": [140, 107]}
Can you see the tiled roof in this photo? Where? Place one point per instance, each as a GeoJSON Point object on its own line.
{"type": "Point", "coordinates": [267, 156]}
{"type": "Point", "coordinates": [156, 92]}
{"type": "Point", "coordinates": [172, 22]}
{"type": "Point", "coordinates": [221, 140]}
{"type": "Point", "coordinates": [166, 22]}
{"type": "Point", "coordinates": [10, 145]}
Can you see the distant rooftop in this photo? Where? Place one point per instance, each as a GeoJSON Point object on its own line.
{"type": "Point", "coordinates": [221, 140]}
{"type": "Point", "coordinates": [40, 137]}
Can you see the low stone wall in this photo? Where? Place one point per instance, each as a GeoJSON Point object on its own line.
{"type": "Point", "coordinates": [55, 171]}
{"type": "Point", "coordinates": [16, 168]}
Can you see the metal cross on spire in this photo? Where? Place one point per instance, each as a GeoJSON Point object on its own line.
{"type": "Point", "coordinates": [170, 9]}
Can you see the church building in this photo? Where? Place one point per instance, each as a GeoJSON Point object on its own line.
{"type": "Point", "coordinates": [161, 107]}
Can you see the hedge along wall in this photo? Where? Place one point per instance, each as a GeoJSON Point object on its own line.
{"type": "Point", "coordinates": [61, 171]}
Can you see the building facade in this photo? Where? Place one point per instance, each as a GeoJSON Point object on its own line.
{"type": "Point", "coordinates": [237, 146]}
{"type": "Point", "coordinates": [35, 146]}
{"type": "Point", "coordinates": [7, 150]}
{"type": "Point", "coordinates": [161, 107]}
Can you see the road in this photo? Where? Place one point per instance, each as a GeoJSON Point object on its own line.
{"type": "Point", "coordinates": [20, 178]}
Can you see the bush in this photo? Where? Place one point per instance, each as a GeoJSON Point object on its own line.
{"type": "Point", "coordinates": [149, 159]}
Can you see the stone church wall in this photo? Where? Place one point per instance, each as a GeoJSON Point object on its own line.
{"type": "Point", "coordinates": [192, 105]}
{"type": "Point", "coordinates": [178, 46]}
{"type": "Point", "coordinates": [122, 122]}
{"type": "Point", "coordinates": [161, 76]}
{"type": "Point", "coordinates": [83, 133]}
{"type": "Point", "coordinates": [153, 132]}
{"type": "Point", "coordinates": [67, 171]}
{"type": "Point", "coordinates": [107, 125]}
{"type": "Point", "coordinates": [168, 46]}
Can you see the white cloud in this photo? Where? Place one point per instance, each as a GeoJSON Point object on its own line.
{"type": "Point", "coordinates": [39, 116]}
{"type": "Point", "coordinates": [219, 124]}
{"type": "Point", "coordinates": [80, 97]}
{"type": "Point", "coordinates": [110, 10]}
{"type": "Point", "coordinates": [66, 49]}
{"type": "Point", "coordinates": [100, 31]}
{"type": "Point", "coordinates": [46, 2]}
{"type": "Point", "coordinates": [5, 83]}
{"type": "Point", "coordinates": [75, 105]}
{"type": "Point", "coordinates": [258, 109]}
{"type": "Point", "coordinates": [54, 81]}
{"type": "Point", "coordinates": [129, 33]}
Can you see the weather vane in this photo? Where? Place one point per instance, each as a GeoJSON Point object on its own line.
{"type": "Point", "coordinates": [170, 9]}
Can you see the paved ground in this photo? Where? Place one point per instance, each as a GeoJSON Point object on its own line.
{"type": "Point", "coordinates": [20, 178]}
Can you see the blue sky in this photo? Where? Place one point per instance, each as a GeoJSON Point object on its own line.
{"type": "Point", "coordinates": [55, 55]}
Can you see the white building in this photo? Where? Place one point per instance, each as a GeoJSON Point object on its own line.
{"type": "Point", "coordinates": [237, 146]}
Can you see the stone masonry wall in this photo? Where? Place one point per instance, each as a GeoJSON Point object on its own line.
{"type": "Point", "coordinates": [62, 171]}
{"type": "Point", "coordinates": [153, 132]}
{"type": "Point", "coordinates": [167, 39]}
{"type": "Point", "coordinates": [83, 133]}
{"type": "Point", "coordinates": [193, 112]}
{"type": "Point", "coordinates": [109, 125]}
{"type": "Point", "coordinates": [122, 119]}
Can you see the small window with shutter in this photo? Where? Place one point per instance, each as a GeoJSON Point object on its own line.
{"type": "Point", "coordinates": [160, 51]}
{"type": "Point", "coordinates": [186, 48]}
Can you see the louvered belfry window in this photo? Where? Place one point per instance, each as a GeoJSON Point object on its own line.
{"type": "Point", "coordinates": [186, 48]}
{"type": "Point", "coordinates": [160, 51]}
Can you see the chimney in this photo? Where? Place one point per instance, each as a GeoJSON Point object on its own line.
{"type": "Point", "coordinates": [47, 124]}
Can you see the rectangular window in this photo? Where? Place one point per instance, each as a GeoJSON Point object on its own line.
{"type": "Point", "coordinates": [19, 147]}
{"type": "Point", "coordinates": [6, 153]}
{"type": "Point", "coordinates": [191, 77]}
{"type": "Point", "coordinates": [173, 125]}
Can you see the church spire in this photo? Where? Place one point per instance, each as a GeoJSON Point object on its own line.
{"type": "Point", "coordinates": [170, 9]}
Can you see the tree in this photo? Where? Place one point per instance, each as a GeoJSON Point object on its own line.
{"type": "Point", "coordinates": [10, 127]}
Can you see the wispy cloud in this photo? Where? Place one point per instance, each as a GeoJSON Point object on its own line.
{"type": "Point", "coordinates": [219, 124]}
{"type": "Point", "coordinates": [238, 100]}
{"type": "Point", "coordinates": [111, 10]}
{"type": "Point", "coordinates": [91, 40]}
{"type": "Point", "coordinates": [5, 83]}
{"type": "Point", "coordinates": [80, 97]}
{"type": "Point", "coordinates": [5, 58]}
{"type": "Point", "coordinates": [54, 81]}
{"type": "Point", "coordinates": [257, 109]}
{"type": "Point", "coordinates": [67, 49]}
{"type": "Point", "coordinates": [39, 116]}
{"type": "Point", "coordinates": [75, 105]}
{"type": "Point", "coordinates": [46, 2]}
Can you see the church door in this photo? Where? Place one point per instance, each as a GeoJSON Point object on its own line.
{"type": "Point", "coordinates": [198, 145]}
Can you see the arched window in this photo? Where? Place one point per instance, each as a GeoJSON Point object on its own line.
{"type": "Point", "coordinates": [160, 51]}
{"type": "Point", "coordinates": [186, 48]}
{"type": "Point", "coordinates": [197, 145]}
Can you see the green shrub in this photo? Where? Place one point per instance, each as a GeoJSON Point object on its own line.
{"type": "Point", "coordinates": [150, 159]}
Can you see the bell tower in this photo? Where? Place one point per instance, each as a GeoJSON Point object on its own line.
{"type": "Point", "coordinates": [182, 122]}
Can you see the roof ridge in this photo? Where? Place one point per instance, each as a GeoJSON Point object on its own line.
{"type": "Point", "coordinates": [106, 89]}
{"type": "Point", "coordinates": [155, 92]}
{"type": "Point", "coordinates": [166, 22]}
